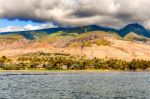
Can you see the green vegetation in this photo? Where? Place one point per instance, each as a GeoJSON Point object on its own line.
{"type": "Point", "coordinates": [75, 44]}
{"type": "Point", "coordinates": [60, 61]}
{"type": "Point", "coordinates": [38, 35]}
{"type": "Point", "coordinates": [100, 42]}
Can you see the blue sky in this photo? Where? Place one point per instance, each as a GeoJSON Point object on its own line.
{"type": "Point", "coordinates": [20, 25]}
{"type": "Point", "coordinates": [5, 23]}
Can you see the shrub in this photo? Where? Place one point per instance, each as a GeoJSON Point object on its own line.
{"type": "Point", "coordinates": [100, 42]}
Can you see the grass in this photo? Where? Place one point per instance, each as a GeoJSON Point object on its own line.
{"type": "Point", "coordinates": [101, 42]}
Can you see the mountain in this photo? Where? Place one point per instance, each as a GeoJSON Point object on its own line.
{"type": "Point", "coordinates": [130, 28]}
{"type": "Point", "coordinates": [31, 34]}
{"type": "Point", "coordinates": [130, 42]}
{"type": "Point", "coordinates": [135, 28]}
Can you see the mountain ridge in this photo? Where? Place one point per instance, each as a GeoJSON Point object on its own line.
{"type": "Point", "coordinates": [133, 27]}
{"type": "Point", "coordinates": [136, 28]}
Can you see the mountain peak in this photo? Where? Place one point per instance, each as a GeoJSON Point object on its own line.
{"type": "Point", "coordinates": [135, 26]}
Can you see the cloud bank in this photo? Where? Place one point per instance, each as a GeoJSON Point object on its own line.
{"type": "Point", "coordinates": [115, 13]}
{"type": "Point", "coordinates": [27, 27]}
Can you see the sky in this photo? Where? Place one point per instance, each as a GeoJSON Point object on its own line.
{"type": "Point", "coordinates": [36, 14]}
{"type": "Point", "coordinates": [16, 22]}
{"type": "Point", "coordinates": [22, 25]}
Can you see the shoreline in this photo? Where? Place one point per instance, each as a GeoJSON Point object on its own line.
{"type": "Point", "coordinates": [67, 71]}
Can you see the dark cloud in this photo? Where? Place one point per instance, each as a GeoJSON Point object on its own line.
{"type": "Point", "coordinates": [114, 13]}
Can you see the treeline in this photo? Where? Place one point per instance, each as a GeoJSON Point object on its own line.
{"type": "Point", "coordinates": [67, 62]}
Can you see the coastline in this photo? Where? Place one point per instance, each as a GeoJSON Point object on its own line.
{"type": "Point", "coordinates": [68, 71]}
{"type": "Point", "coordinates": [38, 71]}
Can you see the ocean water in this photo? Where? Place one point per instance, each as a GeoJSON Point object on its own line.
{"type": "Point", "coordinates": [79, 85]}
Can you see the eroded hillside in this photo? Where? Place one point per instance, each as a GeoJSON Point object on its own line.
{"type": "Point", "coordinates": [92, 44]}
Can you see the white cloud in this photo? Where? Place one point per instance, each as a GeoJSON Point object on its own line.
{"type": "Point", "coordinates": [27, 27]}
{"type": "Point", "coordinates": [79, 12]}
